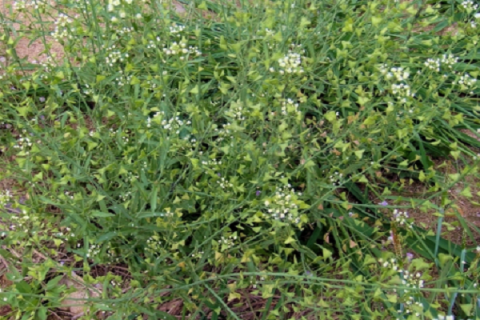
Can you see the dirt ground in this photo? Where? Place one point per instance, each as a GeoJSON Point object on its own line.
{"type": "Point", "coordinates": [34, 51]}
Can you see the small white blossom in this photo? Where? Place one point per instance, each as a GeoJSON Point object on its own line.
{"type": "Point", "coordinates": [433, 64]}
{"type": "Point", "coordinates": [402, 218]}
{"type": "Point", "coordinates": [291, 63]}
{"type": "Point", "coordinates": [466, 82]}
{"type": "Point", "coordinates": [469, 5]}
{"type": "Point", "coordinates": [449, 60]}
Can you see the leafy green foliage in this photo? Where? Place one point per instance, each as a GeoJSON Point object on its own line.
{"type": "Point", "coordinates": [222, 157]}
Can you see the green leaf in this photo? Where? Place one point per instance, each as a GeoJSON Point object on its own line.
{"type": "Point", "coordinates": [53, 283]}
{"type": "Point", "coordinates": [153, 199]}
{"type": "Point", "coordinates": [195, 90]}
{"type": "Point", "coordinates": [24, 287]}
{"type": "Point", "coordinates": [326, 253]}
{"type": "Point", "coordinates": [467, 308]}
{"type": "Point", "coordinates": [23, 111]}
{"type": "Point", "coordinates": [466, 192]}
{"type": "Point", "coordinates": [359, 154]}
{"type": "Point", "coordinates": [331, 116]}
{"type": "Point", "coordinates": [144, 215]}
{"type": "Point", "coordinates": [304, 22]}
{"type": "Point", "coordinates": [42, 313]}
{"type": "Point", "coordinates": [99, 214]}
{"type": "Point", "coordinates": [376, 21]}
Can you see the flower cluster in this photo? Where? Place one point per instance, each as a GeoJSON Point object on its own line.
{"type": "Point", "coordinates": [65, 234]}
{"type": "Point", "coordinates": [289, 106]}
{"type": "Point", "coordinates": [383, 68]}
{"type": "Point", "coordinates": [398, 73]}
{"type": "Point", "coordinates": [114, 4]}
{"type": "Point", "coordinates": [181, 50]}
{"type": "Point", "coordinates": [61, 27]}
{"type": "Point", "coordinates": [23, 144]}
{"type": "Point", "coordinates": [116, 281]}
{"type": "Point", "coordinates": [466, 82]}
{"type": "Point", "coordinates": [254, 281]}
{"type": "Point", "coordinates": [401, 217]}
{"type": "Point", "coordinates": [172, 124]}
{"type": "Point", "coordinates": [197, 255]}
{"type": "Point", "coordinates": [124, 197]}
{"type": "Point", "coordinates": [449, 60]}
{"type": "Point", "coordinates": [176, 28]}
{"type": "Point", "coordinates": [111, 254]}
{"type": "Point", "coordinates": [433, 64]}
{"type": "Point", "coordinates": [114, 56]}
{"type": "Point", "coordinates": [21, 5]}
{"type": "Point", "coordinates": [131, 177]}
{"type": "Point", "coordinates": [93, 251]}
{"type": "Point", "coordinates": [442, 317]}
{"type": "Point", "coordinates": [336, 178]}
{"type": "Point", "coordinates": [123, 135]}
{"type": "Point", "coordinates": [469, 5]}
{"type": "Point", "coordinates": [125, 30]}
{"type": "Point", "coordinates": [153, 44]}
{"type": "Point", "coordinates": [389, 264]}
{"type": "Point", "coordinates": [236, 111]}
{"type": "Point", "coordinates": [123, 79]}
{"type": "Point", "coordinates": [290, 64]}
{"type": "Point", "coordinates": [88, 91]}
{"type": "Point", "coordinates": [223, 183]}
{"type": "Point", "coordinates": [282, 206]}
{"type": "Point", "coordinates": [153, 244]}
{"type": "Point", "coordinates": [5, 197]}
{"type": "Point", "coordinates": [22, 220]}
{"type": "Point", "coordinates": [227, 242]}
{"type": "Point", "coordinates": [24, 5]}
{"type": "Point", "coordinates": [48, 64]}
{"type": "Point", "coordinates": [68, 194]}
{"type": "Point", "coordinates": [402, 91]}
{"type": "Point", "coordinates": [223, 133]}
{"type": "Point", "coordinates": [411, 281]}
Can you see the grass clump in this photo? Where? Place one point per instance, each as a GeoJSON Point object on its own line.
{"type": "Point", "coordinates": [220, 164]}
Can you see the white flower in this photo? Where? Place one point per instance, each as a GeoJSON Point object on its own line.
{"type": "Point", "coordinates": [399, 73]}
{"type": "Point", "coordinates": [433, 64]}
{"type": "Point", "coordinates": [449, 60]}
{"type": "Point", "coordinates": [466, 81]}
{"type": "Point", "coordinates": [291, 63]}
{"type": "Point", "coordinates": [469, 5]}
